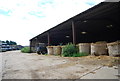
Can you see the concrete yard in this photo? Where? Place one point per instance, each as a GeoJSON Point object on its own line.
{"type": "Point", "coordinates": [17, 65]}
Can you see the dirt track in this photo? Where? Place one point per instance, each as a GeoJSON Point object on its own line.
{"type": "Point", "coordinates": [17, 65]}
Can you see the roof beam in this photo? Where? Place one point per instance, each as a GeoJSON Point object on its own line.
{"type": "Point", "coordinates": [74, 32]}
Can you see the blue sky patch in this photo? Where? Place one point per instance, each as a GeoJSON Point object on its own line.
{"type": "Point", "coordinates": [20, 4]}
{"type": "Point", "coordinates": [37, 14]}
{"type": "Point", "coordinates": [91, 3]}
{"type": "Point", "coordinates": [6, 13]}
{"type": "Point", "coordinates": [45, 2]}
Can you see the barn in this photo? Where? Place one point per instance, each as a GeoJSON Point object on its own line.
{"type": "Point", "coordinates": [99, 23]}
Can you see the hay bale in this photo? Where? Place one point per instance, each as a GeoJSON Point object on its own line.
{"type": "Point", "coordinates": [33, 49]}
{"type": "Point", "coordinates": [99, 49]}
{"type": "Point", "coordinates": [57, 50]}
{"type": "Point", "coordinates": [84, 48]}
{"type": "Point", "coordinates": [50, 50]}
{"type": "Point", "coordinates": [114, 48]}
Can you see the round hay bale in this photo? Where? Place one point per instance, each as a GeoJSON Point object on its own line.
{"type": "Point", "coordinates": [114, 48]}
{"type": "Point", "coordinates": [57, 50]}
{"type": "Point", "coordinates": [99, 49]}
{"type": "Point", "coordinates": [50, 50]}
{"type": "Point", "coordinates": [84, 48]}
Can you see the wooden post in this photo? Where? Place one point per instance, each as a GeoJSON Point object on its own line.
{"type": "Point", "coordinates": [74, 32]}
{"type": "Point", "coordinates": [31, 46]}
{"type": "Point", "coordinates": [48, 38]}
{"type": "Point", "coordinates": [36, 42]}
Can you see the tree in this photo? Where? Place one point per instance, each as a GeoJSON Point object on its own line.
{"type": "Point", "coordinates": [8, 43]}
{"type": "Point", "coordinates": [3, 41]}
{"type": "Point", "coordinates": [12, 43]}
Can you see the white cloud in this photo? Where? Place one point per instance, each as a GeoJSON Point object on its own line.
{"type": "Point", "coordinates": [29, 18]}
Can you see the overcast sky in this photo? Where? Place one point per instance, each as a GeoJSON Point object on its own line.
{"type": "Point", "coordinates": [21, 20]}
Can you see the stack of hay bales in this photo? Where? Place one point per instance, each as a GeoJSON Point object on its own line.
{"type": "Point", "coordinates": [99, 48]}
{"type": "Point", "coordinates": [84, 48]}
{"type": "Point", "coordinates": [114, 48]}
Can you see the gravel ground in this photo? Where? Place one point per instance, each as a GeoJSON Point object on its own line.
{"type": "Point", "coordinates": [17, 65]}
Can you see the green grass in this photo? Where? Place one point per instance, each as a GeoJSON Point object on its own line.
{"type": "Point", "coordinates": [79, 54]}
{"type": "Point", "coordinates": [25, 50]}
{"type": "Point", "coordinates": [69, 50]}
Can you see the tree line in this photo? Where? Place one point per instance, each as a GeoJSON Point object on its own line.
{"type": "Point", "coordinates": [10, 42]}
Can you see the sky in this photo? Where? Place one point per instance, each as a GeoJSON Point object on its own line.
{"type": "Point", "coordinates": [21, 20]}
